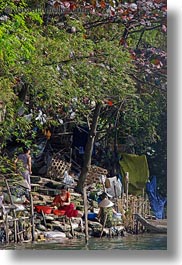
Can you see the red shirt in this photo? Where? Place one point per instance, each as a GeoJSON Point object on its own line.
{"type": "Point", "coordinates": [59, 199]}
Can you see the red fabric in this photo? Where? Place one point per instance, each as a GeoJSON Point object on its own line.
{"type": "Point", "coordinates": [69, 209]}
{"type": "Point", "coordinates": [44, 208]}
{"type": "Point", "coordinates": [58, 212]}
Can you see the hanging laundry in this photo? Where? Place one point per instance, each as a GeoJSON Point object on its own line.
{"type": "Point", "coordinates": [137, 167]}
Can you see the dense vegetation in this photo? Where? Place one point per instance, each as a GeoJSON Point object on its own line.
{"type": "Point", "coordinates": [99, 63]}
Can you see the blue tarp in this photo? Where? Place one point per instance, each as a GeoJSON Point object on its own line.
{"type": "Point", "coordinates": [156, 201]}
{"type": "Point", "coordinates": [80, 136]}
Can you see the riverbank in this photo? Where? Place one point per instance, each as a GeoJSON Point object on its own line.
{"type": "Point", "coordinates": [35, 219]}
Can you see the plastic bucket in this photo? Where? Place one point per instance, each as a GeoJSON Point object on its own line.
{"type": "Point", "coordinates": [43, 208]}
{"type": "Point", "coordinates": [117, 215]}
{"type": "Point", "coordinates": [59, 212]}
{"type": "Point", "coordinates": [91, 216]}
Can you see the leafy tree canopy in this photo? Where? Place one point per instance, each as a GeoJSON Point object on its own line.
{"type": "Point", "coordinates": [59, 59]}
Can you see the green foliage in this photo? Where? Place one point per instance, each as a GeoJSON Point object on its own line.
{"type": "Point", "coordinates": [6, 166]}
{"type": "Point", "coordinates": [71, 63]}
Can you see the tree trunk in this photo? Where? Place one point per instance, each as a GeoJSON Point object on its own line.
{"type": "Point", "coordinates": [89, 148]}
{"type": "Point", "coordinates": [116, 167]}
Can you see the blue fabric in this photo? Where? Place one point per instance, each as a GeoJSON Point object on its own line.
{"type": "Point", "coordinates": [80, 137]}
{"type": "Point", "coordinates": [156, 201]}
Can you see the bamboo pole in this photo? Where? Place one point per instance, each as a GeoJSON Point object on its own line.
{"type": "Point", "coordinates": [86, 213]}
{"type": "Point", "coordinates": [9, 192]}
{"type": "Point", "coordinates": [133, 212]}
{"type": "Point", "coordinates": [136, 211]}
{"type": "Point", "coordinates": [11, 220]}
{"type": "Point", "coordinates": [32, 217]}
{"type": "Point", "coordinates": [15, 230]}
{"type": "Point", "coordinates": [103, 184]}
{"type": "Point", "coordinates": [7, 228]}
{"type": "Point", "coordinates": [149, 207]}
{"type": "Point", "coordinates": [139, 205]}
{"type": "Point", "coordinates": [143, 202]}
{"type": "Point", "coordinates": [127, 186]}
{"type": "Point", "coordinates": [116, 199]}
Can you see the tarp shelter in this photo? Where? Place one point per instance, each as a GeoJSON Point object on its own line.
{"type": "Point", "coordinates": [138, 170]}
{"type": "Point", "coordinates": [157, 202]}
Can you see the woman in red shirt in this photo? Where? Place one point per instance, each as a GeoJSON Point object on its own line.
{"type": "Point", "coordinates": [63, 202]}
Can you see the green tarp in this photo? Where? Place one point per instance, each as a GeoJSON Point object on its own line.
{"type": "Point", "coordinates": [137, 167]}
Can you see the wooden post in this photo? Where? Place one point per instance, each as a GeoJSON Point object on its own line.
{"type": "Point", "coordinates": [143, 203]}
{"type": "Point", "coordinates": [7, 228]}
{"type": "Point", "coordinates": [103, 184]}
{"type": "Point", "coordinates": [127, 186]}
{"type": "Point", "coordinates": [139, 205]}
{"type": "Point", "coordinates": [133, 212]}
{"type": "Point", "coordinates": [32, 217]}
{"type": "Point", "coordinates": [15, 230]}
{"type": "Point", "coordinates": [116, 199]}
{"type": "Point", "coordinates": [105, 219]}
{"type": "Point", "coordinates": [86, 213]}
{"type": "Point", "coordinates": [9, 192]}
{"type": "Point", "coordinates": [149, 208]}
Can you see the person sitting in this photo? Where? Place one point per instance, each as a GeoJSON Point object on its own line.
{"type": "Point", "coordinates": [63, 202]}
{"type": "Point", "coordinates": [106, 211]}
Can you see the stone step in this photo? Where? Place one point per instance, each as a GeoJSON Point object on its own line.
{"type": "Point", "coordinates": [47, 191]}
{"type": "Point", "coordinates": [35, 179]}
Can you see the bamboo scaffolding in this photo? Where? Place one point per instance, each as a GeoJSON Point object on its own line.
{"type": "Point", "coordinates": [14, 213]}
{"type": "Point", "coordinates": [15, 219]}
{"type": "Point", "coordinates": [17, 234]}
{"type": "Point", "coordinates": [128, 205]}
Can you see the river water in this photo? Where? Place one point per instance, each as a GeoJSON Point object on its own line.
{"type": "Point", "coordinates": [131, 242]}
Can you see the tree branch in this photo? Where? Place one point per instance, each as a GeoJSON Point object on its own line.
{"type": "Point", "coordinates": [149, 28]}
{"type": "Point", "coordinates": [141, 81]}
{"type": "Point", "coordinates": [75, 58]}
{"type": "Point", "coordinates": [140, 38]}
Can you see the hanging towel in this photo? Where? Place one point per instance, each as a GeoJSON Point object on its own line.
{"type": "Point", "coordinates": [137, 167]}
